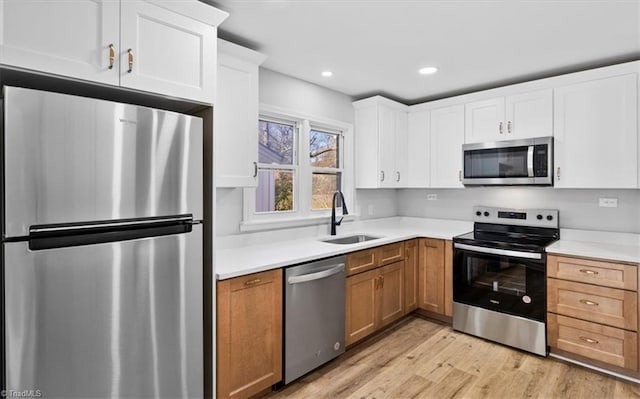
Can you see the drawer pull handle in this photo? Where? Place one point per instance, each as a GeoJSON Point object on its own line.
{"type": "Point", "coordinates": [252, 282]}
{"type": "Point", "coordinates": [112, 56]}
{"type": "Point", "coordinates": [588, 302]}
{"type": "Point", "coordinates": [590, 272]}
{"type": "Point", "coordinates": [589, 340]}
{"type": "Point", "coordinates": [130, 59]}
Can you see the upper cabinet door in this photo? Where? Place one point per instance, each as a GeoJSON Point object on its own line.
{"type": "Point", "coordinates": [447, 137]}
{"type": "Point", "coordinates": [484, 121]}
{"type": "Point", "coordinates": [596, 135]}
{"type": "Point", "coordinates": [167, 53]}
{"type": "Point", "coordinates": [529, 115]}
{"type": "Point", "coordinates": [386, 146]}
{"type": "Point", "coordinates": [68, 38]}
{"type": "Point", "coordinates": [402, 165]}
{"type": "Point", "coordinates": [236, 116]}
{"type": "Point", "coordinates": [417, 174]}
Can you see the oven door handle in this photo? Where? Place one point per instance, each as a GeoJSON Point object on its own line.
{"type": "Point", "coordinates": [497, 251]}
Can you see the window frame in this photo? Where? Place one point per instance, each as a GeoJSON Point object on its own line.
{"type": "Point", "coordinates": [302, 214]}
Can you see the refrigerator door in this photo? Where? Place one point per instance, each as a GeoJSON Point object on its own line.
{"type": "Point", "coordinates": [72, 159]}
{"type": "Point", "coordinates": [119, 319]}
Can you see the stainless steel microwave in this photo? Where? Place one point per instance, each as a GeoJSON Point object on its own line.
{"type": "Point", "coordinates": [511, 162]}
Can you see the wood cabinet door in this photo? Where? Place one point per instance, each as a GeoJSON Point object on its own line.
{"type": "Point", "coordinates": [431, 274]}
{"type": "Point", "coordinates": [484, 121]}
{"type": "Point", "coordinates": [445, 150]}
{"type": "Point", "coordinates": [529, 115]}
{"type": "Point", "coordinates": [236, 117]}
{"type": "Point", "coordinates": [595, 134]}
{"type": "Point", "coordinates": [167, 53]}
{"type": "Point", "coordinates": [249, 334]}
{"type": "Point", "coordinates": [448, 278]}
{"type": "Point", "coordinates": [390, 300]}
{"type": "Point", "coordinates": [68, 38]}
{"type": "Point", "coordinates": [410, 276]}
{"type": "Point", "coordinates": [361, 306]}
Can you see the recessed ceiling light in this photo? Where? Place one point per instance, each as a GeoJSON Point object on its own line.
{"type": "Point", "coordinates": [327, 74]}
{"type": "Point", "coordinates": [428, 70]}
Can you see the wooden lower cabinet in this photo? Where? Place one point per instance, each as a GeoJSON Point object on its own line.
{"type": "Point", "coordinates": [374, 299]}
{"type": "Point", "coordinates": [410, 276]}
{"type": "Point", "coordinates": [249, 334]}
{"type": "Point", "coordinates": [431, 284]}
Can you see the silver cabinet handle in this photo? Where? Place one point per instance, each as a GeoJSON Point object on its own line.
{"type": "Point", "coordinates": [112, 55]}
{"type": "Point", "coordinates": [558, 173]}
{"type": "Point", "coordinates": [316, 276]}
{"type": "Point", "coordinates": [588, 302]}
{"type": "Point", "coordinates": [509, 127]}
{"type": "Point", "coordinates": [382, 175]}
{"type": "Point", "coordinates": [496, 251]}
{"type": "Point", "coordinates": [255, 169]}
{"type": "Point", "coordinates": [500, 127]}
{"type": "Point", "coordinates": [460, 175]}
{"type": "Point", "coordinates": [397, 176]}
{"type": "Point", "coordinates": [589, 272]}
{"type": "Point", "coordinates": [130, 55]}
{"type": "Point", "coordinates": [589, 340]}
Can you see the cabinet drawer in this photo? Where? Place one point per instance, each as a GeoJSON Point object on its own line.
{"type": "Point", "coordinates": [390, 253]}
{"type": "Point", "coordinates": [358, 262]}
{"type": "Point", "coordinates": [606, 344]}
{"type": "Point", "coordinates": [610, 306]}
{"type": "Point", "coordinates": [607, 274]}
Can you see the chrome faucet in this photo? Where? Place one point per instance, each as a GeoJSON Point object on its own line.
{"type": "Point", "coordinates": [335, 223]}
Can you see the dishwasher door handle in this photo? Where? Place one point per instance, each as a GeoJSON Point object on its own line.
{"type": "Point", "coordinates": [316, 276]}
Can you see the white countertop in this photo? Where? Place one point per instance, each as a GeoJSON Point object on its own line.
{"type": "Point", "coordinates": [241, 255]}
{"type": "Point", "coordinates": [622, 247]}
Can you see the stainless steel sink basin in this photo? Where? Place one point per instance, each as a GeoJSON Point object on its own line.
{"type": "Point", "coordinates": [351, 239]}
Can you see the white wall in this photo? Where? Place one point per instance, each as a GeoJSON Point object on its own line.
{"type": "Point", "coordinates": [578, 208]}
{"type": "Point", "coordinates": [287, 92]}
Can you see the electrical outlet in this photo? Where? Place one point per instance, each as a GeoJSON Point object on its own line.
{"type": "Point", "coordinates": [432, 197]}
{"type": "Point", "coordinates": [370, 209]}
{"type": "Point", "coordinates": [608, 202]}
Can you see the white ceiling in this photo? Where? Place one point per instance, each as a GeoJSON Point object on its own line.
{"type": "Point", "coordinates": [377, 46]}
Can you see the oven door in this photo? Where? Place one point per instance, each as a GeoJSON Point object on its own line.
{"type": "Point", "coordinates": [505, 281]}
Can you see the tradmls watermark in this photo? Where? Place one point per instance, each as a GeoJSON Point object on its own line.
{"type": "Point", "coordinates": [27, 393]}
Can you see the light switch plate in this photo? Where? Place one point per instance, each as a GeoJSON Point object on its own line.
{"type": "Point", "coordinates": [608, 202]}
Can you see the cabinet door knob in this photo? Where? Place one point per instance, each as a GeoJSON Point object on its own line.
{"type": "Point", "coordinates": [509, 127]}
{"type": "Point", "coordinates": [112, 55]}
{"type": "Point", "coordinates": [255, 169]}
{"type": "Point", "coordinates": [500, 127]}
{"type": "Point", "coordinates": [382, 175]}
{"type": "Point", "coordinates": [130, 55]}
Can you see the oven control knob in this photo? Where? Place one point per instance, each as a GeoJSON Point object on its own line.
{"type": "Point", "coordinates": [478, 213]}
{"type": "Point", "coordinates": [539, 217]}
{"type": "Point", "coordinates": [549, 217]}
{"type": "Point", "coordinates": [486, 213]}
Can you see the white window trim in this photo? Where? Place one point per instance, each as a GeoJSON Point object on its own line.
{"type": "Point", "coordinates": [303, 217]}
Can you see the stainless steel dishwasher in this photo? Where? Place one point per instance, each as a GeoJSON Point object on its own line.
{"type": "Point", "coordinates": [314, 315]}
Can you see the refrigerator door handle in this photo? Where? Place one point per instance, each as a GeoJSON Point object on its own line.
{"type": "Point", "coordinates": [75, 234]}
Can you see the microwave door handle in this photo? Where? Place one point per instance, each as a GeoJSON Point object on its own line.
{"type": "Point", "coordinates": [530, 161]}
{"type": "Point", "coordinates": [497, 251]}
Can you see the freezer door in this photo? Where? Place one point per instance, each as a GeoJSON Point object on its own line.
{"type": "Point", "coordinates": [106, 320]}
{"type": "Point", "coordinates": [72, 159]}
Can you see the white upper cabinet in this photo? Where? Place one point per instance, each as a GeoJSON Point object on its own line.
{"type": "Point", "coordinates": [596, 133]}
{"type": "Point", "coordinates": [163, 47]}
{"type": "Point", "coordinates": [236, 116]}
{"type": "Point", "coordinates": [513, 117]}
{"type": "Point", "coordinates": [417, 149]}
{"type": "Point", "coordinates": [70, 38]}
{"type": "Point", "coordinates": [381, 126]}
{"type": "Point", "coordinates": [167, 52]}
{"type": "Point", "coordinates": [445, 155]}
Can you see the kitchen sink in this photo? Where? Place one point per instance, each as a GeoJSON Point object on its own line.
{"type": "Point", "coordinates": [351, 239]}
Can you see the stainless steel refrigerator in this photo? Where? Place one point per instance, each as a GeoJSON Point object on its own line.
{"type": "Point", "coordinates": [101, 248]}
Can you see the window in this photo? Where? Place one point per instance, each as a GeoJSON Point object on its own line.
{"type": "Point", "coordinates": [301, 164]}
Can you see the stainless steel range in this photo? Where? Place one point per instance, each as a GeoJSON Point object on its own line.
{"type": "Point", "coordinates": [499, 276]}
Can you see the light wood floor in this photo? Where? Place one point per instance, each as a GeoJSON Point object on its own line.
{"type": "Point", "coordinates": [423, 359]}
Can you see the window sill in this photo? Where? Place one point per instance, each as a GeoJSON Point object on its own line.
{"type": "Point", "coordinates": [272, 224]}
